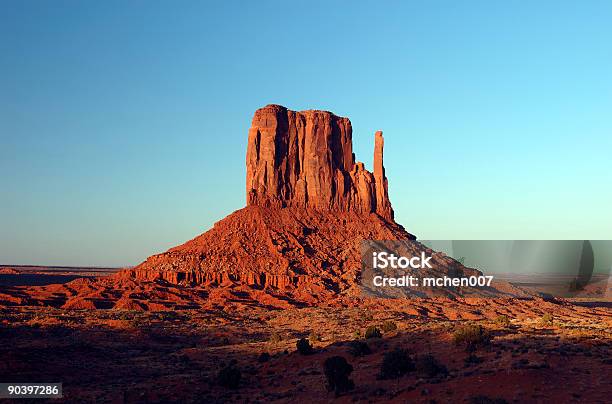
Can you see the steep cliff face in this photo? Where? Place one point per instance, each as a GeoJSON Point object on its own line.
{"type": "Point", "coordinates": [305, 159]}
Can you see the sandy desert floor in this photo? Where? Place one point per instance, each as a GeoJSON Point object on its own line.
{"type": "Point", "coordinates": [538, 352]}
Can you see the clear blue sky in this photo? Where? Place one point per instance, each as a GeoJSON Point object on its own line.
{"type": "Point", "coordinates": [123, 124]}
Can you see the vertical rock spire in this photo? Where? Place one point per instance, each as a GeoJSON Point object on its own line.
{"type": "Point", "coordinates": [383, 205]}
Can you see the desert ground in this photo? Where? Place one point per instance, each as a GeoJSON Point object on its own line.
{"type": "Point", "coordinates": [526, 350]}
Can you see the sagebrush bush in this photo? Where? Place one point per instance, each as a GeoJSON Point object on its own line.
{"type": "Point", "coordinates": [388, 326]}
{"type": "Point", "coordinates": [471, 336]}
{"type": "Point", "coordinates": [547, 319]}
{"type": "Point", "coordinates": [275, 338]}
{"type": "Point", "coordinates": [472, 360]}
{"type": "Point", "coordinates": [337, 371]}
{"type": "Point", "coordinates": [372, 332]}
{"type": "Point", "coordinates": [314, 337]}
{"type": "Point", "coordinates": [503, 320]}
{"type": "Point", "coordinates": [428, 366]}
{"type": "Point", "coordinates": [359, 348]}
{"type": "Point", "coordinates": [263, 357]}
{"type": "Point", "coordinates": [303, 347]}
{"type": "Point", "coordinates": [395, 364]}
{"type": "Point", "coordinates": [486, 400]}
{"type": "Point", "coordinates": [229, 376]}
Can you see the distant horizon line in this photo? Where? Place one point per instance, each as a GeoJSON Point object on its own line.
{"type": "Point", "coordinates": [64, 266]}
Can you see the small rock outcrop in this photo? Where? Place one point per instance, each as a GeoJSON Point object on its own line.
{"type": "Point", "coordinates": [305, 159]}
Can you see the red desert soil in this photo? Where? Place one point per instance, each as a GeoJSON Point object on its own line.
{"type": "Point", "coordinates": [285, 267]}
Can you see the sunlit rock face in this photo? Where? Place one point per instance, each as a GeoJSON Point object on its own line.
{"type": "Point", "coordinates": [305, 159]}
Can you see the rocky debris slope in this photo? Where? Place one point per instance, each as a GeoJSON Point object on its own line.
{"type": "Point", "coordinates": [293, 249]}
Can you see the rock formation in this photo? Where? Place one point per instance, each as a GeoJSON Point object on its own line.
{"type": "Point", "coordinates": [309, 208]}
{"type": "Point", "coordinates": [308, 254]}
{"type": "Point", "coordinates": [305, 159]}
{"type": "Point", "coordinates": [299, 240]}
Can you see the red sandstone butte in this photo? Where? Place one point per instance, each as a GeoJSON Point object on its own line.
{"type": "Point", "coordinates": [305, 159]}
{"type": "Point", "coordinates": [309, 206]}
{"type": "Point", "coordinates": [297, 242]}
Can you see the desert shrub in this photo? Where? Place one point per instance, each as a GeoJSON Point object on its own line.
{"type": "Point", "coordinates": [263, 357]}
{"type": "Point", "coordinates": [503, 321]}
{"type": "Point", "coordinates": [547, 319]}
{"type": "Point", "coordinates": [357, 334]}
{"type": "Point", "coordinates": [395, 364]}
{"type": "Point", "coordinates": [337, 371]}
{"type": "Point", "coordinates": [472, 360]}
{"type": "Point", "coordinates": [303, 347]}
{"type": "Point", "coordinates": [471, 336]}
{"type": "Point", "coordinates": [275, 338]}
{"type": "Point", "coordinates": [229, 376]}
{"type": "Point", "coordinates": [486, 400]}
{"type": "Point", "coordinates": [359, 348]}
{"type": "Point", "coordinates": [314, 337]}
{"type": "Point", "coordinates": [428, 366]}
{"type": "Point", "coordinates": [372, 332]}
{"type": "Point", "coordinates": [388, 326]}
{"type": "Point", "coordinates": [169, 315]}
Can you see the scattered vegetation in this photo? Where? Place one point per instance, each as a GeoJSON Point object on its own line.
{"type": "Point", "coordinates": [229, 376]}
{"type": "Point", "coordinates": [388, 326]}
{"type": "Point", "coordinates": [472, 360]}
{"type": "Point", "coordinates": [428, 366]}
{"type": "Point", "coordinates": [275, 338]}
{"type": "Point", "coordinates": [372, 332]}
{"type": "Point", "coordinates": [359, 348]}
{"type": "Point", "coordinates": [503, 320]}
{"type": "Point", "coordinates": [547, 319]}
{"type": "Point", "coordinates": [357, 334]}
{"type": "Point", "coordinates": [169, 316]}
{"type": "Point", "coordinates": [337, 371]}
{"type": "Point", "coordinates": [263, 357]}
{"type": "Point", "coordinates": [471, 336]}
{"type": "Point", "coordinates": [486, 400]}
{"type": "Point", "coordinates": [395, 364]}
{"type": "Point", "coordinates": [314, 337]}
{"type": "Point", "coordinates": [304, 347]}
